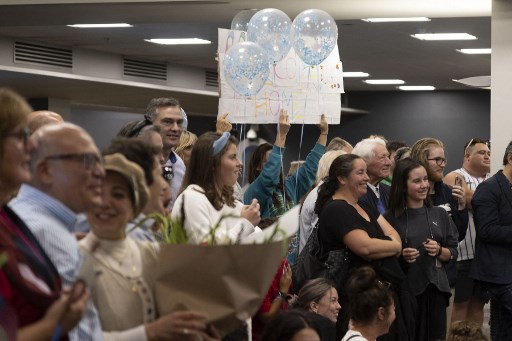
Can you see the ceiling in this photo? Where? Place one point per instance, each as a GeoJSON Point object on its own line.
{"type": "Point", "coordinates": [384, 50]}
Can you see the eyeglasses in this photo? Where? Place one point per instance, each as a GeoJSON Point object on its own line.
{"type": "Point", "coordinates": [472, 142]}
{"type": "Point", "coordinates": [439, 160]}
{"type": "Point", "coordinates": [21, 135]}
{"type": "Point", "coordinates": [90, 160]}
{"type": "Point", "coordinates": [167, 173]}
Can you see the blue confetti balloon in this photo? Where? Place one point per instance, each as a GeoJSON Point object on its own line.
{"type": "Point", "coordinates": [242, 18]}
{"type": "Point", "coordinates": [246, 68]}
{"type": "Point", "coordinates": [314, 35]}
{"type": "Point", "coordinates": [270, 28]}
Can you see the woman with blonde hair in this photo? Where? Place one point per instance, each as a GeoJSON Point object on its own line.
{"type": "Point", "coordinates": [185, 145]}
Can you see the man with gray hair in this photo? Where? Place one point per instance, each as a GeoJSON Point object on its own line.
{"type": "Point", "coordinates": [67, 175]}
{"type": "Point", "coordinates": [167, 114]}
{"type": "Point", "coordinates": [378, 166]}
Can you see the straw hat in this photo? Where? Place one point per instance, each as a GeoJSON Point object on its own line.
{"type": "Point", "coordinates": [133, 174]}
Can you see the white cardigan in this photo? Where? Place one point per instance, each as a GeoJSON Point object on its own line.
{"type": "Point", "coordinates": [201, 217]}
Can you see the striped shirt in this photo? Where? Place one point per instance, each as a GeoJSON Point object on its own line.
{"type": "Point", "coordinates": [52, 224]}
{"type": "Point", "coordinates": [467, 245]}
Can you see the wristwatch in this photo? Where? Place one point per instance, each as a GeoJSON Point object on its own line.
{"type": "Point", "coordinates": [281, 295]}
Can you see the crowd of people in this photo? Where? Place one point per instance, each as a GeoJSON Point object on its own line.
{"type": "Point", "coordinates": [424, 249]}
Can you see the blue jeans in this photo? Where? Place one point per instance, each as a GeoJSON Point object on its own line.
{"type": "Point", "coordinates": [503, 294]}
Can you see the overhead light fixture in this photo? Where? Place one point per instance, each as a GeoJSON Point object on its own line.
{"type": "Point", "coordinates": [355, 74]}
{"type": "Point", "coordinates": [443, 36]}
{"type": "Point", "coordinates": [183, 41]}
{"type": "Point", "coordinates": [416, 87]}
{"type": "Point", "coordinates": [384, 81]}
{"type": "Point", "coordinates": [396, 19]}
{"type": "Point", "coordinates": [475, 51]}
{"type": "Point", "coordinates": [100, 25]}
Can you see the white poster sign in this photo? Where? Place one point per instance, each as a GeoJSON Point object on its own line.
{"type": "Point", "coordinates": [304, 91]}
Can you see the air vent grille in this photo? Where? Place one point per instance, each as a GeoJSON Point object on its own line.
{"type": "Point", "coordinates": [32, 53]}
{"type": "Point", "coordinates": [211, 78]}
{"type": "Point", "coordinates": [146, 69]}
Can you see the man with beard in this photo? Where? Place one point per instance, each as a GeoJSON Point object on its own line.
{"type": "Point", "coordinates": [167, 114]}
{"type": "Point", "coordinates": [429, 152]}
{"type": "Point", "coordinates": [469, 301]}
{"type": "Point", "coordinates": [378, 165]}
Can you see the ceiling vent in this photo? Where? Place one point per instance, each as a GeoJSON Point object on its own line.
{"type": "Point", "coordinates": [33, 53]}
{"type": "Point", "coordinates": [211, 78]}
{"type": "Point", "coordinates": [146, 69]}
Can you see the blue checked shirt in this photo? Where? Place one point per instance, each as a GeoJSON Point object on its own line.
{"type": "Point", "coordinates": [52, 224]}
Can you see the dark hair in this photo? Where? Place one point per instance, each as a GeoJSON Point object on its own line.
{"type": "Point", "coordinates": [203, 168]}
{"type": "Point", "coordinates": [508, 150]}
{"type": "Point", "coordinates": [156, 103]}
{"type": "Point", "coordinates": [133, 128]}
{"type": "Point", "coordinates": [285, 325]}
{"type": "Point", "coordinates": [400, 152]}
{"type": "Point", "coordinates": [466, 331]}
{"type": "Point", "coordinates": [366, 294]}
{"type": "Point", "coordinates": [468, 146]}
{"type": "Point", "coordinates": [398, 191]}
{"type": "Point", "coordinates": [137, 151]}
{"type": "Point", "coordinates": [393, 146]}
{"type": "Point", "coordinates": [256, 162]}
{"type": "Point", "coordinates": [312, 291]}
{"type": "Point", "coordinates": [341, 166]}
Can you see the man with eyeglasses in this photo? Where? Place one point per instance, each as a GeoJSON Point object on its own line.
{"type": "Point", "coordinates": [167, 114]}
{"type": "Point", "coordinates": [492, 265]}
{"type": "Point", "coordinates": [469, 298]}
{"type": "Point", "coordinates": [429, 152]}
{"type": "Point", "coordinates": [67, 174]}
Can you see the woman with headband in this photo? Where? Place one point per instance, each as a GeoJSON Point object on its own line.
{"type": "Point", "coordinates": [207, 194]}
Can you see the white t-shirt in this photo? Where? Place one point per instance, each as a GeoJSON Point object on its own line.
{"type": "Point", "coordinates": [352, 335]}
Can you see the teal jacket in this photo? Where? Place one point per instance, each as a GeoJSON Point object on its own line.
{"type": "Point", "coordinates": [296, 185]}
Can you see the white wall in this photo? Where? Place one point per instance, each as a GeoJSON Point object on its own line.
{"type": "Point", "coordinates": [501, 83]}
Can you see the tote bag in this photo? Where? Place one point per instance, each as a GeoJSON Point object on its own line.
{"type": "Point", "coordinates": [309, 264]}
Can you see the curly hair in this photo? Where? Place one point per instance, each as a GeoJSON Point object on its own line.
{"type": "Point", "coordinates": [466, 331]}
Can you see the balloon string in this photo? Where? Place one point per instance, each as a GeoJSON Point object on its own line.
{"type": "Point", "coordinates": [242, 126]}
{"type": "Point", "coordinates": [278, 132]}
{"type": "Point", "coordinates": [301, 138]}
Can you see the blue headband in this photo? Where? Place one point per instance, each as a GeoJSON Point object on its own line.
{"type": "Point", "coordinates": [220, 143]}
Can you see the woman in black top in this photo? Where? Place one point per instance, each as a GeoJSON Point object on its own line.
{"type": "Point", "coordinates": [370, 239]}
{"type": "Point", "coordinates": [429, 239]}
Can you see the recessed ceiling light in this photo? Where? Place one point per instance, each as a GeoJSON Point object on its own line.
{"type": "Point", "coordinates": [355, 74]}
{"type": "Point", "coordinates": [416, 87]}
{"type": "Point", "coordinates": [100, 25]}
{"type": "Point", "coordinates": [475, 51]}
{"type": "Point", "coordinates": [384, 81]}
{"type": "Point", "coordinates": [183, 41]}
{"type": "Point", "coordinates": [443, 36]}
{"type": "Point", "coordinates": [396, 19]}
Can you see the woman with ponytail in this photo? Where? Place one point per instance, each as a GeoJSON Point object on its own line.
{"type": "Point", "coordinates": [371, 304]}
{"type": "Point", "coordinates": [367, 236]}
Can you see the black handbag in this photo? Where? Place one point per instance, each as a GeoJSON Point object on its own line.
{"type": "Point", "coordinates": [310, 264]}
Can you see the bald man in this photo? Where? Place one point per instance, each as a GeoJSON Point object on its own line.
{"type": "Point", "coordinates": [37, 119]}
{"type": "Point", "coordinates": [67, 175]}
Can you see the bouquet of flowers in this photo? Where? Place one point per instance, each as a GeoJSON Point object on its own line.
{"type": "Point", "coordinates": [227, 282]}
